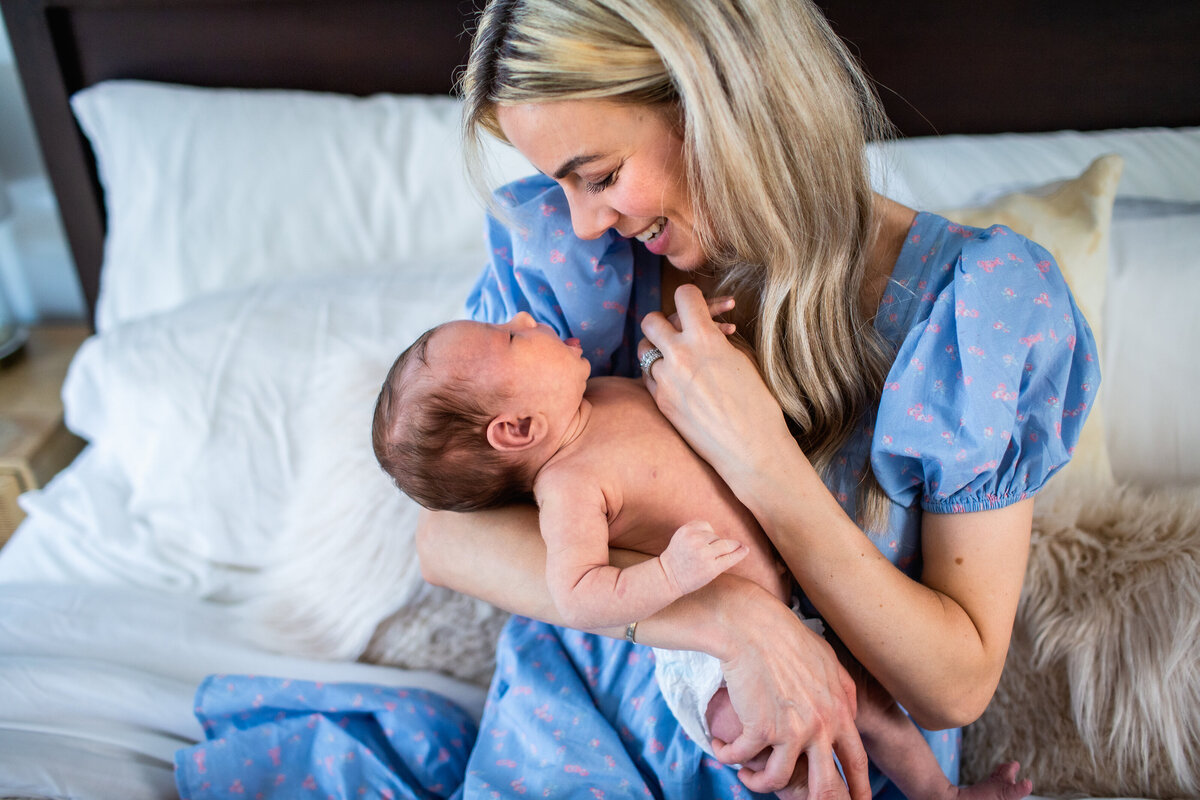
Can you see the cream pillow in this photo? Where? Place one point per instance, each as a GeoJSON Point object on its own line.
{"type": "Point", "coordinates": [1072, 220]}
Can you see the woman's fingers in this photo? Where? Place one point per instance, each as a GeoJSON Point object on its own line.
{"type": "Point", "coordinates": [824, 780]}
{"type": "Point", "coordinates": [691, 306]}
{"type": "Point", "coordinates": [744, 749]}
{"type": "Point", "coordinates": [777, 774]}
{"type": "Point", "coordinates": [792, 697]}
{"type": "Point", "coordinates": [661, 331]}
{"type": "Point", "coordinates": [699, 312]}
{"type": "Point", "coordinates": [853, 758]}
{"type": "Point", "coordinates": [716, 307]}
{"type": "Point", "coordinates": [815, 769]}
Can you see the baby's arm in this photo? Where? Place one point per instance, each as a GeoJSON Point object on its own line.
{"type": "Point", "coordinates": [589, 592]}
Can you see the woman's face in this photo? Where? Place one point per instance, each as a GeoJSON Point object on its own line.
{"type": "Point", "coordinates": [620, 165]}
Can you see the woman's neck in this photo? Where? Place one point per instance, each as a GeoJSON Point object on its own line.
{"type": "Point", "coordinates": [891, 232]}
{"type": "Point", "coordinates": [673, 278]}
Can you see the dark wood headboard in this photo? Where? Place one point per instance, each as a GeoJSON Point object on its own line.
{"type": "Point", "coordinates": [943, 66]}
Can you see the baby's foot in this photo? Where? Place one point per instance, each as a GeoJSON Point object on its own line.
{"type": "Point", "coordinates": [1001, 785]}
{"type": "Point", "coordinates": [695, 555]}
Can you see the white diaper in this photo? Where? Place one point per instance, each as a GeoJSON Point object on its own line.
{"type": "Point", "coordinates": [688, 680]}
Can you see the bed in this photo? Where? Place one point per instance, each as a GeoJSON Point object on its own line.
{"type": "Point", "coordinates": [265, 202]}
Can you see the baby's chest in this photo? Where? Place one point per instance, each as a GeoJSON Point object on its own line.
{"type": "Point", "coordinates": [661, 488]}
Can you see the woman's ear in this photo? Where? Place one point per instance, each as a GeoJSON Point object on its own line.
{"type": "Point", "coordinates": [510, 432]}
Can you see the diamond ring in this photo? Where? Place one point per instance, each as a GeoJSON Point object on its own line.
{"type": "Point", "coordinates": [648, 358]}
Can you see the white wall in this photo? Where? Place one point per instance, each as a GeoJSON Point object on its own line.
{"type": "Point", "coordinates": [36, 272]}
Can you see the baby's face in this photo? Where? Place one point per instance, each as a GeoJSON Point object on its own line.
{"type": "Point", "coordinates": [519, 359]}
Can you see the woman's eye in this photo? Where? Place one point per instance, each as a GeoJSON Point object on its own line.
{"type": "Point", "coordinates": [599, 186]}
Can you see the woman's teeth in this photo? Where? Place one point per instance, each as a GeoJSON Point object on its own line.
{"type": "Point", "coordinates": [653, 231]}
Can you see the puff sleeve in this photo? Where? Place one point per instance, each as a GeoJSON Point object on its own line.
{"type": "Point", "coordinates": [991, 385]}
{"type": "Point", "coordinates": [582, 288]}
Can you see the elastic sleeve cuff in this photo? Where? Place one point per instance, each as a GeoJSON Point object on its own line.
{"type": "Point", "coordinates": [965, 505]}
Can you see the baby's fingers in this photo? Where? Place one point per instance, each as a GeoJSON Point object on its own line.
{"type": "Point", "coordinates": [695, 555]}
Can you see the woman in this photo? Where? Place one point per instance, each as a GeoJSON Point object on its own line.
{"type": "Point", "coordinates": [904, 416]}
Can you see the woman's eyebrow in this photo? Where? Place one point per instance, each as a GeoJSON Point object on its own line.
{"type": "Point", "coordinates": [572, 165]}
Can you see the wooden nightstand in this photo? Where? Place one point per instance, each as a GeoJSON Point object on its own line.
{"type": "Point", "coordinates": [34, 444]}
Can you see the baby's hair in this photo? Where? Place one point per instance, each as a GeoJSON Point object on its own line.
{"type": "Point", "coordinates": [429, 434]}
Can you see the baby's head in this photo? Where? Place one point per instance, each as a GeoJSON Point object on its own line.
{"type": "Point", "coordinates": [470, 411]}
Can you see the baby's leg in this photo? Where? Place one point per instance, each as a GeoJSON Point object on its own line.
{"type": "Point", "coordinates": [896, 746]}
{"type": "Point", "coordinates": [723, 721]}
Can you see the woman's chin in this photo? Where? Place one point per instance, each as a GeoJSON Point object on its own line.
{"type": "Point", "coordinates": [686, 262]}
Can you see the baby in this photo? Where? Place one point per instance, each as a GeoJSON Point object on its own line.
{"type": "Point", "coordinates": [475, 415]}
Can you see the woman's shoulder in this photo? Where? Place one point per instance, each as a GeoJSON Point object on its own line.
{"type": "Point", "coordinates": [941, 260]}
{"type": "Point", "coordinates": [994, 372]}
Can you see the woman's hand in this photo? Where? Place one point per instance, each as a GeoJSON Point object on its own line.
{"type": "Point", "coordinates": [709, 389]}
{"type": "Point", "coordinates": [795, 702]}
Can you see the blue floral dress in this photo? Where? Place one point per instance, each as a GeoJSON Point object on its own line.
{"type": "Point", "coordinates": [994, 374]}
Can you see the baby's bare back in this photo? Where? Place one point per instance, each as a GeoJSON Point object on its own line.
{"type": "Point", "coordinates": [658, 483]}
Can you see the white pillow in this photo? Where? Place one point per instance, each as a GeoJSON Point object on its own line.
{"type": "Point", "coordinates": [202, 410]}
{"type": "Point", "coordinates": [211, 189]}
{"type": "Point", "coordinates": [1151, 372]}
{"type": "Point", "coordinates": [950, 171]}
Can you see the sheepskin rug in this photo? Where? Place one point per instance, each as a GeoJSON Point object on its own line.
{"type": "Point", "coordinates": [1101, 690]}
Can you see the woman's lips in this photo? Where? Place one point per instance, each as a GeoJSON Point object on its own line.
{"type": "Point", "coordinates": [657, 236]}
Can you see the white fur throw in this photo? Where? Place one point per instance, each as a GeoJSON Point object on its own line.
{"type": "Point", "coordinates": [1101, 690]}
{"type": "Point", "coordinates": [343, 580]}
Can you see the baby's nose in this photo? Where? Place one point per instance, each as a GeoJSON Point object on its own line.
{"type": "Point", "coordinates": [524, 319]}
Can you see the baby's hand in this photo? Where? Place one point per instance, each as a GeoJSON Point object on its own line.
{"type": "Point", "coordinates": [696, 555]}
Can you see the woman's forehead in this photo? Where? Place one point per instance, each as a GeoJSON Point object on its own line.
{"type": "Point", "coordinates": [554, 133]}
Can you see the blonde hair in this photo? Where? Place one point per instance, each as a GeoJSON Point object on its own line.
{"type": "Point", "coordinates": [775, 115]}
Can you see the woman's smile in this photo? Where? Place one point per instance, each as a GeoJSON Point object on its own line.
{"type": "Point", "coordinates": [620, 166]}
{"type": "Point", "coordinates": [657, 237]}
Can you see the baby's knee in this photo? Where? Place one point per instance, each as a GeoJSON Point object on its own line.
{"type": "Point", "coordinates": [723, 721]}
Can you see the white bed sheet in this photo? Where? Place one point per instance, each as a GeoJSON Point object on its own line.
{"type": "Point", "coordinates": [98, 685]}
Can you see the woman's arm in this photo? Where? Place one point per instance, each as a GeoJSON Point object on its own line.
{"type": "Point", "coordinates": [785, 682]}
{"type": "Point", "coordinates": [938, 645]}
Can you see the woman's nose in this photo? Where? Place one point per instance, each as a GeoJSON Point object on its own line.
{"type": "Point", "coordinates": [591, 216]}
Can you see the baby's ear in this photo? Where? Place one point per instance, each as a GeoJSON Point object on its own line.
{"type": "Point", "coordinates": [509, 432]}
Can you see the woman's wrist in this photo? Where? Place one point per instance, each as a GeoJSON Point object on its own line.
{"type": "Point", "coordinates": [774, 480]}
{"type": "Point", "coordinates": [710, 620]}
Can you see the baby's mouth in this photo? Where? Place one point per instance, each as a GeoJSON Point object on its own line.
{"type": "Point", "coordinates": [651, 233]}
